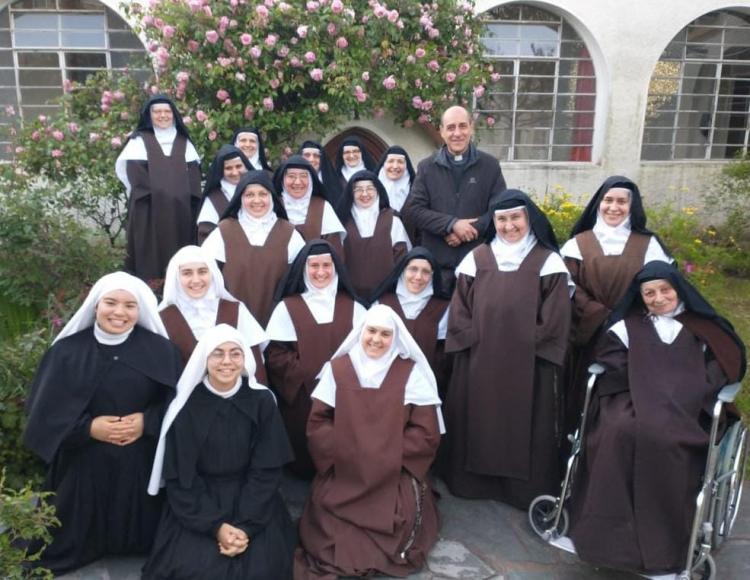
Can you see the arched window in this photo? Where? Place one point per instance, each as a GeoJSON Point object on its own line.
{"type": "Point", "coordinates": [543, 106]}
{"type": "Point", "coordinates": [699, 97]}
{"type": "Point", "coordinates": [44, 43]}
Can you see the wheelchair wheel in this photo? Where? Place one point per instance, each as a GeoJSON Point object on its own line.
{"type": "Point", "coordinates": [730, 491]}
{"type": "Point", "coordinates": [542, 517]}
{"type": "Point", "coordinates": [706, 570]}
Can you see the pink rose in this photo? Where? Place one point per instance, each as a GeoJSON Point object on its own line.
{"type": "Point", "coordinates": [418, 83]}
{"type": "Point", "coordinates": [378, 113]}
{"type": "Point", "coordinates": [187, 120]}
{"type": "Point", "coordinates": [223, 23]}
{"type": "Point", "coordinates": [193, 46]}
{"type": "Point", "coordinates": [256, 51]}
{"type": "Point", "coordinates": [310, 56]}
{"type": "Point", "coordinates": [168, 31]}
{"type": "Point", "coordinates": [393, 16]}
{"type": "Point", "coordinates": [240, 77]}
{"type": "Point", "coordinates": [342, 42]}
{"type": "Point", "coordinates": [105, 108]}
{"type": "Point", "coordinates": [337, 6]}
{"type": "Point", "coordinates": [212, 135]}
{"type": "Point", "coordinates": [182, 77]}
{"type": "Point", "coordinates": [274, 83]}
{"type": "Point", "coordinates": [212, 36]}
{"type": "Point", "coordinates": [450, 77]}
{"type": "Point", "coordinates": [423, 118]}
{"type": "Point", "coordinates": [302, 31]}
{"type": "Point", "coordinates": [201, 116]}
{"type": "Point", "coordinates": [380, 11]}
{"type": "Point", "coordinates": [262, 11]}
{"type": "Point", "coordinates": [94, 137]}
{"type": "Point", "coordinates": [410, 59]}
{"type": "Point", "coordinates": [359, 94]}
{"type": "Point", "coordinates": [433, 65]}
{"type": "Point", "coordinates": [271, 40]}
{"type": "Point", "coordinates": [283, 52]}
{"type": "Point", "coordinates": [495, 77]}
{"type": "Point", "coordinates": [389, 83]}
{"type": "Point", "coordinates": [433, 33]}
{"type": "Point", "coordinates": [124, 116]}
{"type": "Point", "coordinates": [323, 107]}
{"type": "Point", "coordinates": [73, 128]}
{"type": "Point", "coordinates": [57, 153]}
{"type": "Point", "coordinates": [331, 29]}
{"type": "Point", "coordinates": [249, 113]}
{"type": "Point", "coordinates": [478, 91]}
{"type": "Point", "coordinates": [295, 62]}
{"type": "Point", "coordinates": [427, 105]}
{"type": "Point", "coordinates": [35, 136]}
{"type": "Point", "coordinates": [464, 68]}
{"type": "Point", "coordinates": [246, 39]}
{"type": "Point", "coordinates": [420, 52]}
{"type": "Point", "coordinates": [58, 135]}
{"type": "Point", "coordinates": [490, 121]}
{"type": "Point", "coordinates": [268, 104]}
{"type": "Point", "coordinates": [312, 6]}
{"type": "Point", "coordinates": [222, 95]}
{"type": "Point", "coordinates": [366, 76]}
{"type": "Point", "coordinates": [316, 74]}
{"type": "Point", "coordinates": [416, 102]}
{"type": "Point", "coordinates": [115, 142]}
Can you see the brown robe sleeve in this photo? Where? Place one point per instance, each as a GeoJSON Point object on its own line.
{"type": "Point", "coordinates": [461, 335]}
{"type": "Point", "coordinates": [613, 356]}
{"type": "Point", "coordinates": [399, 249]}
{"type": "Point", "coordinates": [335, 240]}
{"type": "Point", "coordinates": [137, 172]}
{"type": "Point", "coordinates": [421, 439]}
{"type": "Point", "coordinates": [285, 372]}
{"type": "Point", "coordinates": [588, 314]}
{"type": "Point", "coordinates": [204, 228]}
{"type": "Point", "coordinates": [553, 318]}
{"type": "Point", "coordinates": [320, 437]}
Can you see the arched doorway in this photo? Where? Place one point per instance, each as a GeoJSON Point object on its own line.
{"type": "Point", "coordinates": [374, 145]}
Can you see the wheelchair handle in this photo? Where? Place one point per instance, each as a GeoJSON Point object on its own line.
{"type": "Point", "coordinates": [728, 393]}
{"type": "Point", "coordinates": [596, 369]}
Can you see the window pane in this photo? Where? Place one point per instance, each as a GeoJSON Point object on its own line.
{"type": "Point", "coordinates": [494, 47]}
{"type": "Point", "coordinates": [123, 59]}
{"type": "Point", "coordinates": [537, 67]}
{"type": "Point", "coordinates": [690, 152]}
{"type": "Point", "coordinates": [79, 76]}
{"type": "Point", "coordinates": [538, 48]}
{"type": "Point", "coordinates": [80, 5]}
{"type": "Point", "coordinates": [574, 49]}
{"type": "Point", "coordinates": [534, 119]}
{"type": "Point", "coordinates": [733, 103]}
{"type": "Point", "coordinates": [699, 69]}
{"type": "Point", "coordinates": [535, 102]}
{"type": "Point", "coordinates": [7, 78]}
{"type": "Point", "coordinates": [502, 30]}
{"type": "Point", "coordinates": [506, 12]}
{"type": "Point", "coordinates": [26, 38]}
{"type": "Point", "coordinates": [576, 153]}
{"type": "Point", "coordinates": [6, 58]}
{"type": "Point", "coordinates": [532, 136]}
{"type": "Point", "coordinates": [32, 112]}
{"type": "Point", "coordinates": [694, 136]}
{"type": "Point", "coordinates": [496, 102]}
{"type": "Point", "coordinates": [729, 137]}
{"type": "Point", "coordinates": [573, 136]}
{"type": "Point", "coordinates": [536, 85]}
{"type": "Point", "coordinates": [124, 40]}
{"type": "Point", "coordinates": [538, 14]}
{"type": "Point", "coordinates": [674, 50]}
{"type": "Point", "coordinates": [29, 21]}
{"type": "Point", "coordinates": [34, 4]}
{"type": "Point", "coordinates": [699, 86]}
{"type": "Point", "coordinates": [39, 78]}
{"type": "Point", "coordinates": [86, 59]}
{"type": "Point", "coordinates": [40, 96]}
{"type": "Point", "coordinates": [531, 153]}
{"type": "Point", "coordinates": [656, 152]}
{"type": "Point", "coordinates": [83, 39]}
{"type": "Point", "coordinates": [82, 22]}
{"type": "Point", "coordinates": [702, 51]}
{"type": "Point", "coordinates": [696, 103]}
{"type": "Point", "coordinates": [704, 34]}
{"type": "Point", "coordinates": [737, 52]}
{"type": "Point", "coordinates": [8, 96]}
{"type": "Point", "coordinates": [542, 32]}
{"type": "Point", "coordinates": [40, 59]}
{"type": "Point", "coordinates": [114, 22]}
{"type": "Point", "coordinates": [4, 18]}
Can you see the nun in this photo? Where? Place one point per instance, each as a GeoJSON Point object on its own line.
{"type": "Point", "coordinates": [316, 309]}
{"type": "Point", "coordinates": [223, 176]}
{"type": "Point", "coordinates": [220, 456]}
{"type": "Point", "coordinates": [508, 329]}
{"type": "Point", "coordinates": [396, 173]}
{"type": "Point", "coordinates": [375, 237]}
{"type": "Point", "coordinates": [254, 244]}
{"type": "Point", "coordinates": [160, 170]}
{"type": "Point", "coordinates": [249, 141]}
{"type": "Point", "coordinates": [414, 291]}
{"type": "Point", "coordinates": [306, 203]}
{"type": "Point", "coordinates": [317, 157]}
{"type": "Point", "coordinates": [94, 412]}
{"type": "Point", "coordinates": [666, 354]}
{"type": "Point", "coordinates": [373, 433]}
{"type": "Point", "coordinates": [608, 245]}
{"type": "Point", "coordinates": [351, 158]}
{"type": "Point", "coordinates": [195, 301]}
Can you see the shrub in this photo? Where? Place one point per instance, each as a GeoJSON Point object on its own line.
{"type": "Point", "coordinates": [25, 516]}
{"type": "Point", "coordinates": [732, 197]}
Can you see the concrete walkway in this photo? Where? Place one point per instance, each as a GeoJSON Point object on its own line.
{"type": "Point", "coordinates": [484, 540]}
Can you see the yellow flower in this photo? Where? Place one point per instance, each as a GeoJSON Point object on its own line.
{"type": "Point", "coordinates": [697, 242]}
{"type": "Point", "coordinates": [689, 210]}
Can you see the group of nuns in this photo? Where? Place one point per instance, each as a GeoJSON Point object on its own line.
{"type": "Point", "coordinates": [295, 341]}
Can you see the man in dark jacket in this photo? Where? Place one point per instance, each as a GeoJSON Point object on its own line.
{"type": "Point", "coordinates": [452, 192]}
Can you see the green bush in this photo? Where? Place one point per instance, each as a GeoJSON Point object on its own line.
{"type": "Point", "coordinates": [732, 197]}
{"type": "Point", "coordinates": [25, 516]}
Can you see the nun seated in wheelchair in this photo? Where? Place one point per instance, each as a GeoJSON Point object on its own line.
{"type": "Point", "coordinates": [666, 356]}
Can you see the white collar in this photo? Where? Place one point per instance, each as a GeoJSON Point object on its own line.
{"type": "Point", "coordinates": [509, 256]}
{"type": "Point", "coordinates": [296, 207]}
{"type": "Point", "coordinates": [397, 190]}
{"type": "Point", "coordinates": [412, 304]}
{"type": "Point", "coordinates": [611, 239]}
{"type": "Point", "coordinates": [321, 301]}
{"type": "Point", "coordinates": [366, 218]}
{"type": "Point", "coordinates": [347, 171]}
{"type": "Point", "coordinates": [104, 337]}
{"type": "Point", "coordinates": [223, 394]}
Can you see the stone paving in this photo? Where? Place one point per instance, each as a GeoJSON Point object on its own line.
{"type": "Point", "coordinates": [484, 540]}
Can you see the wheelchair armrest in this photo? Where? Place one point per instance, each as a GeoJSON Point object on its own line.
{"type": "Point", "coordinates": [728, 393]}
{"type": "Point", "coordinates": [596, 369]}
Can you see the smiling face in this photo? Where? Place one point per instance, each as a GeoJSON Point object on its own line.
{"type": "Point", "coordinates": [365, 193]}
{"type": "Point", "coordinates": [659, 296]}
{"type": "Point", "coordinates": [313, 157]}
{"type": "Point", "coordinates": [224, 365]}
{"type": "Point", "coordinates": [417, 275]}
{"type": "Point", "coordinates": [256, 200]}
{"type": "Point", "coordinates": [117, 312]}
{"type": "Point", "coordinates": [615, 206]}
{"type": "Point", "coordinates": [376, 340]}
{"type": "Point", "coordinates": [233, 170]}
{"type": "Point", "coordinates": [512, 225]}
{"type": "Point", "coordinates": [195, 279]}
{"type": "Point", "coordinates": [161, 116]}
{"type": "Point", "coordinates": [395, 166]}
{"type": "Point", "coordinates": [352, 155]}
{"type": "Point", "coordinates": [456, 129]}
{"type": "Point", "coordinates": [248, 144]}
{"type": "Point", "coordinates": [320, 270]}
{"type": "Point", "coordinates": [296, 182]}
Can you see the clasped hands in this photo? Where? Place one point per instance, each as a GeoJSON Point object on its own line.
{"type": "Point", "coordinates": [232, 541]}
{"type": "Point", "coordinates": [463, 231]}
{"type": "Point", "coordinates": [117, 430]}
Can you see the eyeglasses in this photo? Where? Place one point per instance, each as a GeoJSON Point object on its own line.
{"type": "Point", "coordinates": [368, 189]}
{"type": "Point", "coordinates": [235, 355]}
{"type": "Point", "coordinates": [414, 270]}
{"type": "Point", "coordinates": [303, 176]}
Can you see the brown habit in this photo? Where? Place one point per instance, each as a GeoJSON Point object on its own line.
{"type": "Point", "coordinates": [294, 366]}
{"type": "Point", "coordinates": [251, 273]}
{"type": "Point", "coordinates": [371, 509]}
{"type": "Point", "coordinates": [216, 198]}
{"type": "Point", "coordinates": [311, 229]}
{"type": "Point", "coordinates": [634, 495]}
{"type": "Point", "coordinates": [370, 260]}
{"type": "Point", "coordinates": [424, 330]}
{"type": "Point", "coordinates": [182, 336]}
{"type": "Point", "coordinates": [509, 331]}
{"type": "Point", "coordinates": [162, 208]}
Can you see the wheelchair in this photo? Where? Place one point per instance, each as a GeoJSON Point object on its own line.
{"type": "Point", "coordinates": [717, 503]}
